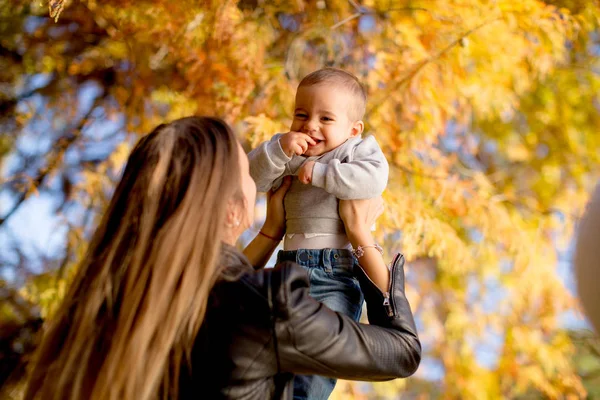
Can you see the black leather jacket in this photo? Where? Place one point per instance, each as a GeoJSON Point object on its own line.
{"type": "Point", "coordinates": [262, 327]}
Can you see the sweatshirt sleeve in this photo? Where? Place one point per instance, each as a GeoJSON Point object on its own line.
{"type": "Point", "coordinates": [267, 163]}
{"type": "Point", "coordinates": [363, 177]}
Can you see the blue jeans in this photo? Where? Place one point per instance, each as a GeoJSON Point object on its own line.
{"type": "Point", "coordinates": [332, 282]}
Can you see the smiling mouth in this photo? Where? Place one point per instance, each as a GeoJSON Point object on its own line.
{"type": "Point", "coordinates": [317, 141]}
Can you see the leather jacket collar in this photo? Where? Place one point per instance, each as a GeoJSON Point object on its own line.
{"type": "Point", "coordinates": [233, 263]}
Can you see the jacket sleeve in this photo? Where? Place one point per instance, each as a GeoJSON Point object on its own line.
{"type": "Point", "coordinates": [312, 339]}
{"type": "Point", "coordinates": [363, 177]}
{"type": "Point", "coordinates": [267, 163]}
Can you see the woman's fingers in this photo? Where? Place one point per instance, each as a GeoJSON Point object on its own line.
{"type": "Point", "coordinates": [285, 185]}
{"type": "Point", "coordinates": [379, 208]}
{"type": "Point", "coordinates": [282, 189]}
{"type": "Point", "coordinates": [275, 221]}
{"type": "Point", "coordinates": [374, 209]}
{"type": "Point", "coordinates": [361, 211]}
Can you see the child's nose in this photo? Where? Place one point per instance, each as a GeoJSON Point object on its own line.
{"type": "Point", "coordinates": [310, 126]}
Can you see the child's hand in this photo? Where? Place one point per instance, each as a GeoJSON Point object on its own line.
{"type": "Point", "coordinates": [305, 172]}
{"type": "Point", "coordinates": [295, 143]}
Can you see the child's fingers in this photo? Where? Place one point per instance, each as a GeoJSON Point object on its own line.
{"type": "Point", "coordinates": [302, 147]}
{"type": "Point", "coordinates": [310, 140]}
{"type": "Point", "coordinates": [305, 137]}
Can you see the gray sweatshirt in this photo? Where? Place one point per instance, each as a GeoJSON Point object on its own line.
{"type": "Point", "coordinates": [357, 169]}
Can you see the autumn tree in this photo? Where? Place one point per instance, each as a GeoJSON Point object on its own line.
{"type": "Point", "coordinates": [488, 112]}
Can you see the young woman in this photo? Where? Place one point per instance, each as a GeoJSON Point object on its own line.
{"type": "Point", "coordinates": [163, 305]}
{"type": "Point", "coordinates": [586, 262]}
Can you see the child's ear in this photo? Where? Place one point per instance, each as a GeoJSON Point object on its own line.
{"type": "Point", "coordinates": [357, 128]}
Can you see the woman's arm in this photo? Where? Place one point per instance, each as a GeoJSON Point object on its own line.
{"type": "Point", "coordinates": [312, 339]}
{"type": "Point", "coordinates": [260, 249]}
{"type": "Point", "coordinates": [358, 217]}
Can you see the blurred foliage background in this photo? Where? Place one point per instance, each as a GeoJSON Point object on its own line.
{"type": "Point", "coordinates": [488, 112]}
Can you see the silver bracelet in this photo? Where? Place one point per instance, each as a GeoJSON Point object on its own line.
{"type": "Point", "coordinates": [360, 250]}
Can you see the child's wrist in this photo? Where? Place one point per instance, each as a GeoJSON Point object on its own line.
{"type": "Point", "coordinates": [283, 148]}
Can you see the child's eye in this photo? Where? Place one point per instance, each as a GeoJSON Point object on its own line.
{"type": "Point", "coordinates": [300, 115]}
{"type": "Point", "coordinates": [327, 119]}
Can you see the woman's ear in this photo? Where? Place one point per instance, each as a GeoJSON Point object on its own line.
{"type": "Point", "coordinates": [233, 219]}
{"type": "Point", "coordinates": [357, 128]}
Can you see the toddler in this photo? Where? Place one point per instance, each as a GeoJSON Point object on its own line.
{"type": "Point", "coordinates": [329, 160]}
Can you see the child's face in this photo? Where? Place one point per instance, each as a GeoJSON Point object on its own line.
{"type": "Point", "coordinates": [322, 112]}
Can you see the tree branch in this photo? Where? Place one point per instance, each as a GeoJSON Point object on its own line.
{"type": "Point", "coordinates": [350, 18]}
{"type": "Point", "coordinates": [419, 66]}
{"type": "Point", "coordinates": [413, 172]}
{"type": "Point", "coordinates": [62, 145]}
{"type": "Point", "coordinates": [9, 53]}
{"type": "Point", "coordinates": [361, 11]}
{"type": "Point", "coordinates": [7, 105]}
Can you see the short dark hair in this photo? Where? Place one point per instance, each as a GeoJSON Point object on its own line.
{"type": "Point", "coordinates": [346, 80]}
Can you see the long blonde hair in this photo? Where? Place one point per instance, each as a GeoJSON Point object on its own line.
{"type": "Point", "coordinates": [139, 297]}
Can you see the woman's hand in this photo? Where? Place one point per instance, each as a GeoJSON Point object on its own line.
{"type": "Point", "coordinates": [274, 225]}
{"type": "Point", "coordinates": [360, 214]}
{"type": "Point", "coordinates": [260, 249]}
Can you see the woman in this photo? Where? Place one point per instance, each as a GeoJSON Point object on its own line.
{"type": "Point", "coordinates": [586, 262]}
{"type": "Point", "coordinates": [164, 306]}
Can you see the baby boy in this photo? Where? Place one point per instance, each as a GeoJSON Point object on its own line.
{"type": "Point", "coordinates": [325, 153]}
